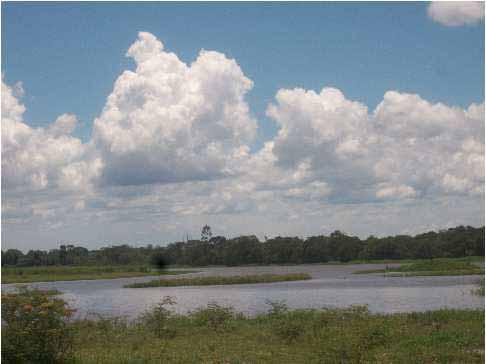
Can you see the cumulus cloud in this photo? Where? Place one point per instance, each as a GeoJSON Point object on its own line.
{"type": "Point", "coordinates": [43, 157]}
{"type": "Point", "coordinates": [164, 122]}
{"type": "Point", "coordinates": [64, 125]}
{"type": "Point", "coordinates": [172, 144]}
{"type": "Point", "coordinates": [407, 147]}
{"type": "Point", "coordinates": [456, 13]}
{"type": "Point", "coordinates": [168, 121]}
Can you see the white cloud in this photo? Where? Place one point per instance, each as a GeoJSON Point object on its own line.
{"type": "Point", "coordinates": [170, 131]}
{"type": "Point", "coordinates": [40, 158]}
{"type": "Point", "coordinates": [169, 121]}
{"type": "Point", "coordinates": [407, 147]}
{"type": "Point", "coordinates": [401, 191]}
{"type": "Point", "coordinates": [64, 125]}
{"type": "Point", "coordinates": [456, 13]}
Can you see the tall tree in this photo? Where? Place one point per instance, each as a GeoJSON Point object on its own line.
{"type": "Point", "coordinates": [206, 233]}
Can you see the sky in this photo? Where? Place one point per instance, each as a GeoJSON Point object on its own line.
{"type": "Point", "coordinates": [139, 123]}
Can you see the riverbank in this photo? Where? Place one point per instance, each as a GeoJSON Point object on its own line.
{"type": "Point", "coordinates": [74, 273]}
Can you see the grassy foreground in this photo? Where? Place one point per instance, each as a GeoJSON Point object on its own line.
{"type": "Point", "coordinates": [218, 335]}
{"type": "Point", "coordinates": [74, 273]}
{"type": "Point", "coordinates": [435, 267]}
{"type": "Point", "coordinates": [216, 280]}
{"type": "Point", "coordinates": [37, 328]}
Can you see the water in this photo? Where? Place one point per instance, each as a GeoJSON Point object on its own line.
{"type": "Point", "coordinates": [330, 286]}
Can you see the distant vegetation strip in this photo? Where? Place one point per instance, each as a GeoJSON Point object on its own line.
{"type": "Point", "coordinates": [434, 267]}
{"type": "Point", "coordinates": [216, 280]}
{"type": "Point", "coordinates": [461, 241]}
{"type": "Point", "coordinates": [74, 273]}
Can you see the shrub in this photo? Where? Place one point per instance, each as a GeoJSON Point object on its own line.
{"type": "Point", "coordinates": [158, 318]}
{"type": "Point", "coordinates": [34, 328]}
{"type": "Point", "coordinates": [214, 316]}
{"type": "Point", "coordinates": [277, 308]}
{"type": "Point", "coordinates": [288, 330]}
{"type": "Point", "coordinates": [285, 324]}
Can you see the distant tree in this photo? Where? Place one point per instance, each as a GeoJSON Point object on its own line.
{"type": "Point", "coordinates": [206, 233]}
{"type": "Point", "coordinates": [63, 254]}
{"type": "Point", "coordinates": [217, 250]}
{"type": "Point", "coordinates": [12, 257]}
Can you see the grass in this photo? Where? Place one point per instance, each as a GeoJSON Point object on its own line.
{"type": "Point", "coordinates": [217, 280]}
{"type": "Point", "coordinates": [433, 267]}
{"type": "Point", "coordinates": [73, 273]}
{"type": "Point", "coordinates": [470, 259]}
{"type": "Point", "coordinates": [217, 334]}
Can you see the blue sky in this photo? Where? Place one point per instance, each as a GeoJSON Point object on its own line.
{"type": "Point", "coordinates": [394, 144]}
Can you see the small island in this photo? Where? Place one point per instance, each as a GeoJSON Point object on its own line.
{"type": "Point", "coordinates": [217, 280]}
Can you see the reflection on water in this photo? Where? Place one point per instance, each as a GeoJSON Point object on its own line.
{"type": "Point", "coordinates": [331, 286]}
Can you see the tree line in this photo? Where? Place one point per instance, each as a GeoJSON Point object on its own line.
{"type": "Point", "coordinates": [455, 242]}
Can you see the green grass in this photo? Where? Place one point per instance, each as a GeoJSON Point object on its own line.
{"type": "Point", "coordinates": [470, 259]}
{"type": "Point", "coordinates": [73, 273]}
{"type": "Point", "coordinates": [434, 267]}
{"type": "Point", "coordinates": [219, 335]}
{"type": "Point", "coordinates": [216, 280]}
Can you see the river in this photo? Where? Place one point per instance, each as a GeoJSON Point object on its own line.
{"type": "Point", "coordinates": [330, 286]}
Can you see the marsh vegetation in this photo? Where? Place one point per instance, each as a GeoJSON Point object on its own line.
{"type": "Point", "coordinates": [72, 273]}
{"type": "Point", "coordinates": [222, 280]}
{"type": "Point", "coordinates": [432, 267]}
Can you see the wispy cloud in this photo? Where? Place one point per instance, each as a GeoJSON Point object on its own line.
{"type": "Point", "coordinates": [456, 13]}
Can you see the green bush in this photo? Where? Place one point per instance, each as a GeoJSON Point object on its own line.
{"type": "Point", "coordinates": [35, 328]}
{"type": "Point", "coordinates": [285, 324]}
{"type": "Point", "coordinates": [277, 308]}
{"type": "Point", "coordinates": [215, 316]}
{"type": "Point", "coordinates": [158, 318]}
{"type": "Point", "coordinates": [287, 330]}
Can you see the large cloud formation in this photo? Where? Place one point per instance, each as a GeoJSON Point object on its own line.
{"type": "Point", "coordinates": [456, 13]}
{"type": "Point", "coordinates": [164, 122]}
{"type": "Point", "coordinates": [173, 142]}
{"type": "Point", "coordinates": [169, 122]}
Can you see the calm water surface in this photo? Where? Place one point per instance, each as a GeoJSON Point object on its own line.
{"type": "Point", "coordinates": [330, 286]}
